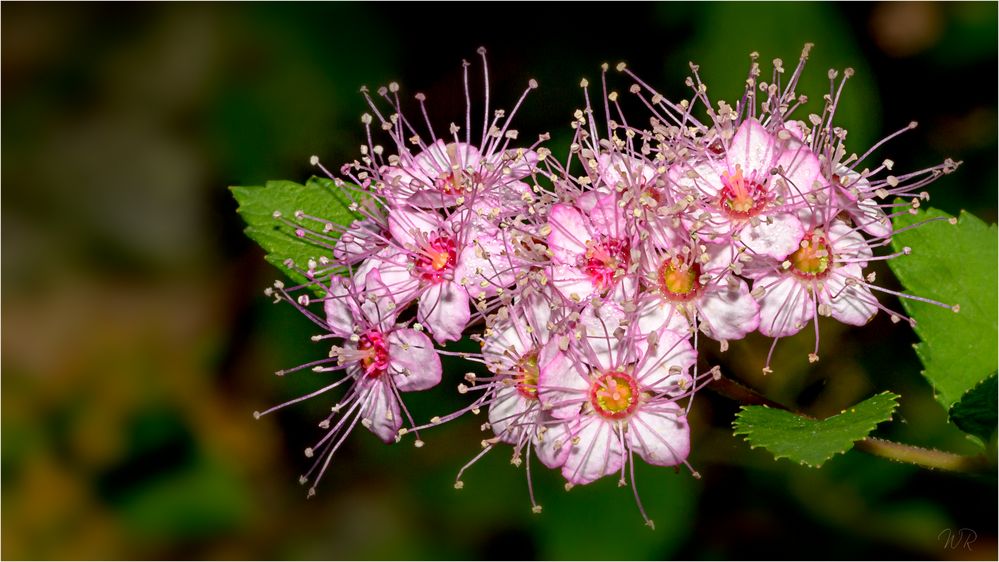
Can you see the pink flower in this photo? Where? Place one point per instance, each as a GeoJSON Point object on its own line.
{"type": "Point", "coordinates": [379, 358]}
{"type": "Point", "coordinates": [591, 253]}
{"type": "Point", "coordinates": [446, 175]}
{"type": "Point", "coordinates": [741, 196]}
{"type": "Point", "coordinates": [694, 285]}
{"type": "Point", "coordinates": [442, 263]}
{"type": "Point", "coordinates": [854, 194]}
{"type": "Point", "coordinates": [648, 196]}
{"type": "Point", "coordinates": [364, 238]}
{"type": "Point", "coordinates": [618, 392]}
{"type": "Point", "coordinates": [823, 275]}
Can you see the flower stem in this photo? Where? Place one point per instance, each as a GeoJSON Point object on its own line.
{"type": "Point", "coordinates": [898, 452]}
{"type": "Point", "coordinates": [926, 458]}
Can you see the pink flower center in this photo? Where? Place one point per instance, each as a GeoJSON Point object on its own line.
{"type": "Point", "coordinates": [526, 377]}
{"type": "Point", "coordinates": [436, 259]}
{"type": "Point", "coordinates": [374, 354]}
{"type": "Point", "coordinates": [678, 280]}
{"type": "Point", "coordinates": [742, 198]}
{"type": "Point", "coordinates": [614, 395]}
{"type": "Point", "coordinates": [456, 182]}
{"type": "Point", "coordinates": [811, 259]}
{"type": "Point", "coordinates": [603, 259]}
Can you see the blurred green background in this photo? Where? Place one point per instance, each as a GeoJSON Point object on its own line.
{"type": "Point", "coordinates": [137, 341]}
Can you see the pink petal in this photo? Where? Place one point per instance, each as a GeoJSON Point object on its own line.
{"type": "Point", "coordinates": [378, 305]}
{"type": "Point", "coordinates": [729, 312]}
{"type": "Point", "coordinates": [847, 243]}
{"type": "Point", "coordinates": [562, 386]}
{"type": "Point", "coordinates": [340, 308]}
{"type": "Point", "coordinates": [851, 303]}
{"type": "Point", "coordinates": [537, 312]}
{"type": "Point", "coordinates": [617, 170]}
{"type": "Point", "coordinates": [510, 415]}
{"type": "Point", "coordinates": [380, 412]}
{"type": "Point", "coordinates": [432, 161]}
{"type": "Point", "coordinates": [553, 445]}
{"type": "Point", "coordinates": [777, 238]}
{"type": "Point", "coordinates": [361, 240]}
{"type": "Point", "coordinates": [801, 169]}
{"type": "Point", "coordinates": [597, 452]}
{"type": "Point", "coordinates": [786, 307]}
{"type": "Point", "coordinates": [656, 313]}
{"type": "Point", "coordinates": [587, 201]}
{"type": "Point", "coordinates": [485, 258]}
{"type": "Point", "coordinates": [752, 148]}
{"type": "Point", "coordinates": [666, 364]}
{"type": "Point", "coordinates": [659, 433]}
{"type": "Point", "coordinates": [405, 222]}
{"type": "Point", "coordinates": [403, 182]}
{"type": "Point", "coordinates": [394, 273]}
{"type": "Point", "coordinates": [569, 233]}
{"type": "Point", "coordinates": [704, 178]}
{"type": "Point", "coordinates": [571, 282]}
{"type": "Point", "coordinates": [505, 345]}
{"type": "Point", "coordinates": [444, 310]}
{"type": "Point", "coordinates": [413, 362]}
{"type": "Point", "coordinates": [519, 162]}
{"type": "Point", "coordinates": [796, 128]}
{"type": "Point", "coordinates": [607, 218]}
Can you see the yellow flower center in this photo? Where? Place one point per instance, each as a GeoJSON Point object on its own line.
{"type": "Point", "coordinates": [614, 395]}
{"type": "Point", "coordinates": [527, 376]}
{"type": "Point", "coordinates": [679, 281]}
{"type": "Point", "coordinates": [811, 259]}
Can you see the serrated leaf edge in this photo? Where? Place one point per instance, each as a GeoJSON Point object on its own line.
{"type": "Point", "coordinates": [747, 435]}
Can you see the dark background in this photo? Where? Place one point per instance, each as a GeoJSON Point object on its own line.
{"type": "Point", "coordinates": [137, 341]}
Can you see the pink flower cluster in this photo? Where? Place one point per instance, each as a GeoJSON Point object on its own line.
{"type": "Point", "coordinates": [591, 280]}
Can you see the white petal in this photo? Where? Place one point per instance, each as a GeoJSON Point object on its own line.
{"type": "Point", "coordinates": [508, 414]}
{"type": "Point", "coordinates": [665, 366]}
{"type": "Point", "coordinates": [659, 433]}
{"type": "Point", "coordinates": [851, 303]}
{"type": "Point", "coordinates": [729, 312]}
{"type": "Point", "coordinates": [552, 445]}
{"type": "Point", "coordinates": [785, 307]}
{"type": "Point", "coordinates": [752, 148]}
{"type": "Point", "coordinates": [562, 386]}
{"type": "Point", "coordinates": [597, 452]}
{"type": "Point", "coordinates": [777, 237]}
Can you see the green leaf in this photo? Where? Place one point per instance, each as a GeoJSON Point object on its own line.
{"type": "Point", "coordinates": [976, 412]}
{"type": "Point", "coordinates": [810, 441]}
{"type": "Point", "coordinates": [318, 198]}
{"type": "Point", "coordinates": [953, 264]}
